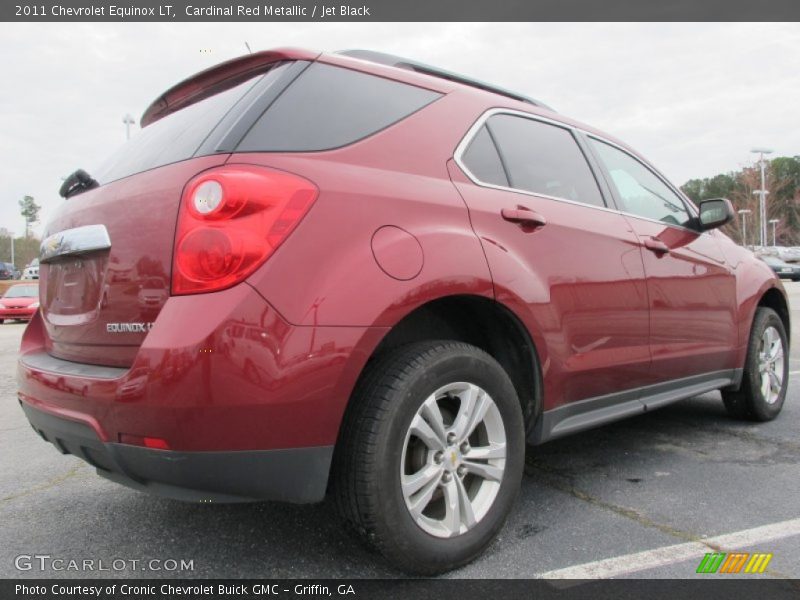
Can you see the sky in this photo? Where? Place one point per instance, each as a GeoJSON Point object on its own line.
{"type": "Point", "coordinates": [694, 98]}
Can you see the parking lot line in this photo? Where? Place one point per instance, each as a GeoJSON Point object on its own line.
{"type": "Point", "coordinates": [666, 555]}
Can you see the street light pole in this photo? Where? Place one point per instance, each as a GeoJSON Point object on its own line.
{"type": "Point", "coordinates": [762, 195]}
{"type": "Point", "coordinates": [128, 120]}
{"type": "Point", "coordinates": [744, 212]}
{"type": "Point", "coordinates": [774, 223]}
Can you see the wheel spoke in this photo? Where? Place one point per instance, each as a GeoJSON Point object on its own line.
{"type": "Point", "coordinates": [487, 452]}
{"type": "Point", "coordinates": [421, 429]}
{"type": "Point", "coordinates": [433, 416]}
{"type": "Point", "coordinates": [474, 404]}
{"type": "Point", "coordinates": [452, 508]}
{"type": "Point", "coordinates": [467, 513]}
{"type": "Point", "coordinates": [412, 483]}
{"type": "Point", "coordinates": [418, 503]}
{"type": "Point", "coordinates": [767, 338]}
{"type": "Point", "coordinates": [485, 471]}
{"type": "Point", "coordinates": [776, 351]}
{"type": "Point", "coordinates": [765, 385]}
{"type": "Point", "coordinates": [775, 382]}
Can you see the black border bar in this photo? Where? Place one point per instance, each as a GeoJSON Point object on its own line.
{"type": "Point", "coordinates": [397, 10]}
{"type": "Point", "coordinates": [706, 587]}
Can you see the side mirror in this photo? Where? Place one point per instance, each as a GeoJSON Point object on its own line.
{"type": "Point", "coordinates": [715, 213]}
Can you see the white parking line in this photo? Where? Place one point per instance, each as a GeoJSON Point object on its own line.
{"type": "Point", "coordinates": [666, 555]}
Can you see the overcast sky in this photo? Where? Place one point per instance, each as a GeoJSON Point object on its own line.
{"type": "Point", "coordinates": [693, 98]}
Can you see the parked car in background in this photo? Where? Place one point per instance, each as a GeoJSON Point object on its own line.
{"type": "Point", "coordinates": [381, 281]}
{"type": "Point", "coordinates": [32, 270]}
{"type": "Point", "coordinates": [8, 271]}
{"type": "Point", "coordinates": [783, 269]}
{"type": "Point", "coordinates": [789, 254]}
{"type": "Point", "coordinates": [19, 303]}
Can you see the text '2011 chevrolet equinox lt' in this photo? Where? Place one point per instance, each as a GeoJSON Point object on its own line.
{"type": "Point", "coordinates": [359, 275]}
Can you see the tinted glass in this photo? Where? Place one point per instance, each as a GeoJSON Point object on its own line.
{"type": "Point", "coordinates": [544, 159]}
{"type": "Point", "coordinates": [328, 107]}
{"type": "Point", "coordinates": [483, 161]}
{"type": "Point", "coordinates": [640, 190]}
{"type": "Point", "coordinates": [174, 137]}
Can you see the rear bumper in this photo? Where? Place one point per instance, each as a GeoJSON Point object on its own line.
{"type": "Point", "coordinates": [289, 475]}
{"type": "Point", "coordinates": [247, 405]}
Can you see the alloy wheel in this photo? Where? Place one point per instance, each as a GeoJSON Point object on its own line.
{"type": "Point", "coordinates": [771, 365]}
{"type": "Point", "coordinates": [453, 460]}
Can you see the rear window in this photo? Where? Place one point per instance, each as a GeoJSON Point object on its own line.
{"type": "Point", "coordinates": [177, 136]}
{"type": "Point", "coordinates": [328, 107]}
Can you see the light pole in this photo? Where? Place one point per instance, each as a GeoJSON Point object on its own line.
{"type": "Point", "coordinates": [744, 212]}
{"type": "Point", "coordinates": [762, 195]}
{"type": "Point", "coordinates": [774, 223]}
{"type": "Point", "coordinates": [11, 236]}
{"type": "Point", "coordinates": [128, 120]}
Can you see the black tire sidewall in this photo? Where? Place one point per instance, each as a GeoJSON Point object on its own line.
{"type": "Point", "coordinates": [405, 537]}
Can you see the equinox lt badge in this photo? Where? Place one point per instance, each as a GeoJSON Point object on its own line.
{"type": "Point", "coordinates": [128, 327]}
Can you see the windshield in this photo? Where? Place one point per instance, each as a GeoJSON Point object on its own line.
{"type": "Point", "coordinates": [22, 291]}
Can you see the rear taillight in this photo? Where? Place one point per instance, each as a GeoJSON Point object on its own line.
{"type": "Point", "coordinates": [232, 218]}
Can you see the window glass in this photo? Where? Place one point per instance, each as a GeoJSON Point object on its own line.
{"type": "Point", "coordinates": [329, 107]}
{"type": "Point", "coordinates": [176, 136]}
{"type": "Point", "coordinates": [640, 190]}
{"type": "Point", "coordinates": [544, 159]}
{"type": "Point", "coordinates": [483, 161]}
{"type": "Point", "coordinates": [22, 291]}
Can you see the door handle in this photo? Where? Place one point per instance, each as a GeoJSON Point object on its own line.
{"type": "Point", "coordinates": [656, 245]}
{"type": "Point", "coordinates": [523, 216]}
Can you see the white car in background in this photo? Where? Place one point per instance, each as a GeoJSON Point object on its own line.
{"type": "Point", "coordinates": [32, 270]}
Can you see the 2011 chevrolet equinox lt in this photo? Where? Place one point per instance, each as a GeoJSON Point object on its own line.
{"type": "Point", "coordinates": [355, 274]}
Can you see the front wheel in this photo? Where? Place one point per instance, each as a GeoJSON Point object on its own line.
{"type": "Point", "coordinates": [766, 371]}
{"type": "Point", "coordinates": [431, 456]}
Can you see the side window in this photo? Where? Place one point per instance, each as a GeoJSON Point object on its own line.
{"type": "Point", "coordinates": [640, 190]}
{"type": "Point", "coordinates": [328, 107]}
{"type": "Point", "coordinates": [544, 159]}
{"type": "Point", "coordinates": [483, 161]}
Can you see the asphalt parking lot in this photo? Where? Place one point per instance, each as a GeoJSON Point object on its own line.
{"type": "Point", "coordinates": [681, 476]}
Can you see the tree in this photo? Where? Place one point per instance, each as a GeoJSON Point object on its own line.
{"type": "Point", "coordinates": [30, 212]}
{"type": "Point", "coordinates": [783, 200]}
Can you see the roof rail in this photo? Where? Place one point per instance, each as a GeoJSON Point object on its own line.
{"type": "Point", "coordinates": [405, 63]}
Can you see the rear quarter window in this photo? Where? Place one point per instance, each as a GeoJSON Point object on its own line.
{"type": "Point", "coordinates": [329, 107]}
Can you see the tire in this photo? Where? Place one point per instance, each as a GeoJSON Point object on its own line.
{"type": "Point", "coordinates": [2, 321]}
{"type": "Point", "coordinates": [377, 449]}
{"type": "Point", "coordinates": [750, 402]}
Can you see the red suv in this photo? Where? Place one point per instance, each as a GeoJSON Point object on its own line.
{"type": "Point", "coordinates": [359, 274]}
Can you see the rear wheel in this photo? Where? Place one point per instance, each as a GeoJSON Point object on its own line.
{"type": "Point", "coordinates": [2, 321]}
{"type": "Point", "coordinates": [766, 371]}
{"type": "Point", "coordinates": [431, 456]}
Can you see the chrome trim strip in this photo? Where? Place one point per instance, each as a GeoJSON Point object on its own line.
{"type": "Point", "coordinates": [465, 141]}
{"type": "Point", "coordinates": [69, 242]}
{"type": "Point", "coordinates": [41, 361]}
